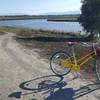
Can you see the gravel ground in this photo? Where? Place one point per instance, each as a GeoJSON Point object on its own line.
{"type": "Point", "coordinates": [24, 75]}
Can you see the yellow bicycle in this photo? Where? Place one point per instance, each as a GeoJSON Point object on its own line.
{"type": "Point", "coordinates": [62, 62]}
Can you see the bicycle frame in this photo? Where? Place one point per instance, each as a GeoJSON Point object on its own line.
{"type": "Point", "coordinates": [62, 62]}
{"type": "Point", "coordinates": [75, 65]}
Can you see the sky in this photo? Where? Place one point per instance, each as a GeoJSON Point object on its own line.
{"type": "Point", "coordinates": [36, 7]}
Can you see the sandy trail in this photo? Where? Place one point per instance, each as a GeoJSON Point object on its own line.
{"type": "Point", "coordinates": [18, 66]}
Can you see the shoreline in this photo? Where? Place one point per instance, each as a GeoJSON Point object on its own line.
{"type": "Point", "coordinates": [45, 35]}
{"type": "Point", "coordinates": [48, 17]}
{"type": "Point", "coordinates": [17, 29]}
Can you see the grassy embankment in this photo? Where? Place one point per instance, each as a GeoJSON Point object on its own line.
{"type": "Point", "coordinates": [47, 42]}
{"type": "Point", "coordinates": [23, 33]}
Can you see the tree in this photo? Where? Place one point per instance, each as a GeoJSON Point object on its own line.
{"type": "Point", "coordinates": [90, 16]}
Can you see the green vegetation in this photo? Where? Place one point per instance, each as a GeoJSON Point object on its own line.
{"type": "Point", "coordinates": [90, 17]}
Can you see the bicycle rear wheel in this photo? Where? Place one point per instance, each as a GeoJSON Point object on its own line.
{"type": "Point", "coordinates": [56, 67]}
{"type": "Point", "coordinates": [98, 69]}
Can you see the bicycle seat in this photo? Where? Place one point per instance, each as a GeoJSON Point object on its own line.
{"type": "Point", "coordinates": [70, 43]}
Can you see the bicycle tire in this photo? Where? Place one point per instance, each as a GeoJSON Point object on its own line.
{"type": "Point", "coordinates": [98, 69]}
{"type": "Point", "coordinates": [58, 69]}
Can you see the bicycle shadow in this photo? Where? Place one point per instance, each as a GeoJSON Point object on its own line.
{"type": "Point", "coordinates": [54, 88]}
{"type": "Point", "coordinates": [70, 94]}
{"type": "Point", "coordinates": [45, 84]}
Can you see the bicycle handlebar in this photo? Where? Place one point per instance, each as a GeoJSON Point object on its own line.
{"type": "Point", "coordinates": [90, 43]}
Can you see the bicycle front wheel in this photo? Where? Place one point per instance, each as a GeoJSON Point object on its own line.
{"type": "Point", "coordinates": [98, 68]}
{"type": "Point", "coordinates": [56, 66]}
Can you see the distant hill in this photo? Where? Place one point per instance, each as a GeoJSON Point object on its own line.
{"type": "Point", "coordinates": [52, 16]}
{"type": "Point", "coordinates": [64, 13]}
{"type": "Point", "coordinates": [13, 14]}
{"type": "Point", "coordinates": [49, 13]}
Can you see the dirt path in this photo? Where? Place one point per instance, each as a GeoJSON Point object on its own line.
{"type": "Point", "coordinates": [18, 65]}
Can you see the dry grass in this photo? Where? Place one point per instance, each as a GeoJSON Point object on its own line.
{"type": "Point", "coordinates": [2, 32]}
{"type": "Point", "coordinates": [26, 32]}
{"type": "Point", "coordinates": [43, 33]}
{"type": "Point", "coordinates": [47, 49]}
